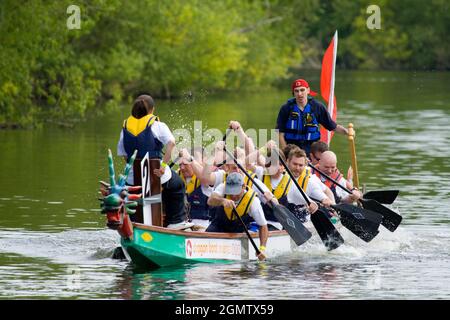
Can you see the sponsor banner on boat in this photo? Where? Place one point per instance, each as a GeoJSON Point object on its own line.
{"type": "Point", "coordinates": [213, 249]}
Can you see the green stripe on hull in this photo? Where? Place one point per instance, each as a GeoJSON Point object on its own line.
{"type": "Point", "coordinates": [151, 248]}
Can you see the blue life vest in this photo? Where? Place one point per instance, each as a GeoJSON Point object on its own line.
{"type": "Point", "coordinates": [227, 225]}
{"type": "Point", "coordinates": [198, 201]}
{"type": "Point", "coordinates": [199, 204]}
{"type": "Point", "coordinates": [301, 125]}
{"type": "Point", "coordinates": [226, 221]}
{"type": "Point", "coordinates": [268, 212]}
{"type": "Point", "coordinates": [137, 134]}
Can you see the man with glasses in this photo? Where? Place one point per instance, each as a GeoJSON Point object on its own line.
{"type": "Point", "coordinates": [317, 148]}
{"type": "Point", "coordinates": [299, 118]}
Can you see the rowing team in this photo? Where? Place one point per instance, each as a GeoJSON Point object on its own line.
{"type": "Point", "coordinates": [205, 191]}
{"type": "Point", "coordinates": [213, 192]}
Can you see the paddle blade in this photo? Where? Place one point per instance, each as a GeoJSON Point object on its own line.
{"type": "Point", "coordinates": [391, 219]}
{"type": "Point", "coordinates": [363, 223]}
{"type": "Point", "coordinates": [331, 238]}
{"type": "Point", "coordinates": [382, 196]}
{"type": "Point", "coordinates": [294, 227]}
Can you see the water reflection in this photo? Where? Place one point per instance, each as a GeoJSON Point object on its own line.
{"type": "Point", "coordinates": [141, 284]}
{"type": "Point", "coordinates": [387, 267]}
{"type": "Point", "coordinates": [292, 279]}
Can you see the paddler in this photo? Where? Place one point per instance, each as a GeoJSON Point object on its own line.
{"type": "Point", "coordinates": [235, 195]}
{"type": "Point", "coordinates": [197, 193]}
{"type": "Point", "coordinates": [328, 165]}
{"type": "Point", "coordinates": [297, 164]}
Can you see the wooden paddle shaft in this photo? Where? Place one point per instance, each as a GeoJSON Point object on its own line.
{"type": "Point", "coordinates": [351, 139]}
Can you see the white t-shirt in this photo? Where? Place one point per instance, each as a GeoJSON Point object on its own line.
{"type": "Point", "coordinates": [313, 189]}
{"type": "Point", "coordinates": [255, 211]}
{"type": "Point", "coordinates": [317, 179]}
{"type": "Point", "coordinates": [275, 181]}
{"type": "Point", "coordinates": [341, 193]}
{"type": "Point", "coordinates": [161, 132]}
{"type": "Point", "coordinates": [219, 179]}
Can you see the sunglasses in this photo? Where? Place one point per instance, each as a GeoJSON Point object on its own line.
{"type": "Point", "coordinates": [315, 157]}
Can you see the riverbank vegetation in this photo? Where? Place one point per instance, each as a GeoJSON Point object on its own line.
{"type": "Point", "coordinates": [50, 73]}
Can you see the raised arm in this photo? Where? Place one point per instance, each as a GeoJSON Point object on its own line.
{"type": "Point", "coordinates": [249, 145]}
{"type": "Point", "coordinates": [201, 171]}
{"type": "Point", "coordinates": [169, 148]}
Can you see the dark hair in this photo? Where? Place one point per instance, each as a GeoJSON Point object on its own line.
{"type": "Point", "coordinates": [143, 105]}
{"type": "Point", "coordinates": [319, 146]}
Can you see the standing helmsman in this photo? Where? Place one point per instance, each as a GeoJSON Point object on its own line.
{"type": "Point", "coordinates": [299, 118]}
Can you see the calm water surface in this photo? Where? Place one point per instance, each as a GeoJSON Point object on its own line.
{"type": "Point", "coordinates": [54, 244]}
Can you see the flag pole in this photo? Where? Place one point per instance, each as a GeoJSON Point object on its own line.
{"type": "Point", "coordinates": [331, 97]}
{"type": "Point", "coordinates": [327, 81]}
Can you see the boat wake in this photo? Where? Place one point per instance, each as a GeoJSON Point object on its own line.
{"type": "Point", "coordinates": [69, 246]}
{"type": "Point", "coordinates": [97, 246]}
{"type": "Point", "coordinates": [384, 244]}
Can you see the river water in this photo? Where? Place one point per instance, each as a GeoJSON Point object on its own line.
{"type": "Point", "coordinates": [54, 243]}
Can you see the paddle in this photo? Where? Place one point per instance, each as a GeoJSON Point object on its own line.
{"type": "Point", "coordinates": [361, 222]}
{"type": "Point", "coordinates": [325, 228]}
{"type": "Point", "coordinates": [294, 227]}
{"type": "Point", "coordinates": [174, 162]}
{"type": "Point", "coordinates": [248, 234]}
{"type": "Point", "coordinates": [382, 196]}
{"type": "Point", "coordinates": [390, 220]}
{"type": "Point", "coordinates": [351, 140]}
{"type": "Point", "coordinates": [227, 132]}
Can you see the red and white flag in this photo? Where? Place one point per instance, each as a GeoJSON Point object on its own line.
{"type": "Point", "coordinates": [327, 85]}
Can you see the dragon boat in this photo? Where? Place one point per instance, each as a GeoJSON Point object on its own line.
{"type": "Point", "coordinates": [146, 242]}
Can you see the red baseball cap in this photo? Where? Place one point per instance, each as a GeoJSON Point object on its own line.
{"type": "Point", "coordinates": [302, 83]}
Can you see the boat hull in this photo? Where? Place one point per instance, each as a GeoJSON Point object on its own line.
{"type": "Point", "coordinates": [161, 247]}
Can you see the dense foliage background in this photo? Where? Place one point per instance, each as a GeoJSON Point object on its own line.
{"type": "Point", "coordinates": [170, 48]}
